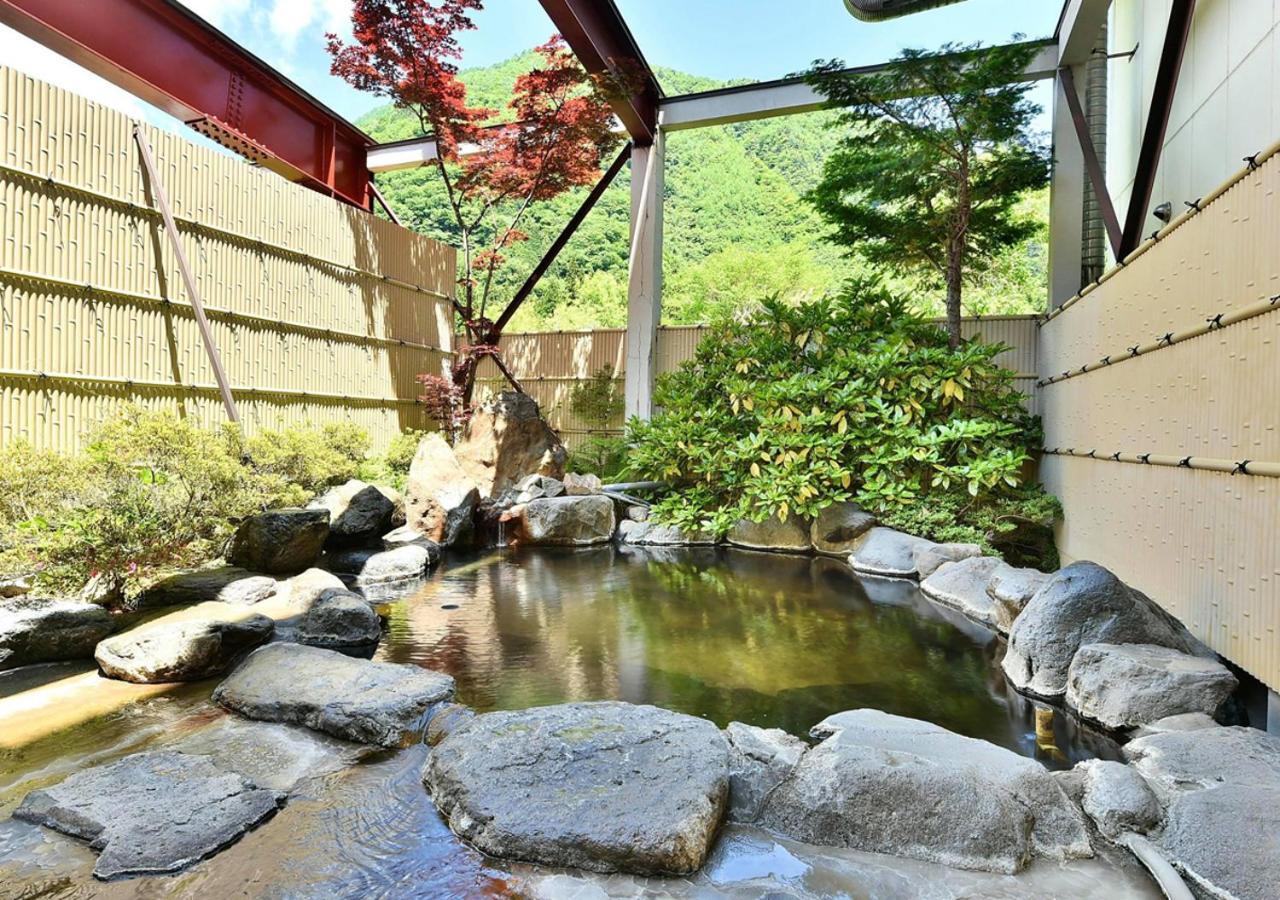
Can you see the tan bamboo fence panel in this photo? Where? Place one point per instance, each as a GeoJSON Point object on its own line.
{"type": "Point", "coordinates": [1160, 383]}
{"type": "Point", "coordinates": [549, 365]}
{"type": "Point", "coordinates": [321, 312]}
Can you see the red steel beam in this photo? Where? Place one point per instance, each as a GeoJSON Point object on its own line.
{"type": "Point", "coordinates": [598, 36]}
{"type": "Point", "coordinates": [163, 53]}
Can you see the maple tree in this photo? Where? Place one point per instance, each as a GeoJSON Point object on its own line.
{"type": "Point", "coordinates": [494, 167]}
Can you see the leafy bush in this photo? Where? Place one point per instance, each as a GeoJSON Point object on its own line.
{"type": "Point", "coordinates": [792, 408]}
{"type": "Point", "coordinates": [392, 467]}
{"type": "Point", "coordinates": [603, 456]}
{"type": "Point", "coordinates": [294, 464]}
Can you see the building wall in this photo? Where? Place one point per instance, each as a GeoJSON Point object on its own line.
{"type": "Point", "coordinates": [321, 312]}
{"type": "Point", "coordinates": [1226, 107]}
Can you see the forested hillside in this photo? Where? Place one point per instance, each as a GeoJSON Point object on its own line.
{"type": "Point", "coordinates": [736, 225]}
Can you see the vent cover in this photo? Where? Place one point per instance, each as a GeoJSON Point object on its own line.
{"type": "Point", "coordinates": [880, 10]}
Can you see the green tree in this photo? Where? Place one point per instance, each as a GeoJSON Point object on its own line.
{"type": "Point", "coordinates": [938, 153]}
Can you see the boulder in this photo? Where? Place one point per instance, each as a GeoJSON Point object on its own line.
{"type": "Point", "coordinates": [566, 521]}
{"type": "Point", "coordinates": [1117, 798]}
{"type": "Point", "coordinates": [791, 536]}
{"type": "Point", "coordinates": [302, 590]}
{"type": "Point", "coordinates": [760, 759]}
{"type": "Point", "coordinates": [929, 557]}
{"type": "Point", "coordinates": [535, 487]}
{"type": "Point", "coordinates": [1181, 722]}
{"type": "Point", "coordinates": [358, 512]}
{"type": "Point", "coordinates": [404, 536]}
{"type": "Point", "coordinates": [371, 567]}
{"type": "Point", "coordinates": [280, 541]}
{"type": "Point", "coordinates": [963, 585]}
{"type": "Point", "coordinates": [1012, 589]}
{"type": "Point", "coordinates": [1178, 761]}
{"type": "Point", "coordinates": [1225, 841]}
{"type": "Point", "coordinates": [576, 485]}
{"type": "Point", "coordinates": [1125, 685]}
{"type": "Point", "coordinates": [355, 699]}
{"type": "Point", "coordinates": [638, 513]}
{"type": "Point", "coordinates": [225, 584]}
{"type": "Point", "coordinates": [608, 787]}
{"type": "Point", "coordinates": [440, 497]}
{"type": "Point", "coordinates": [15, 585]}
{"type": "Point", "coordinates": [208, 642]}
{"type": "Point", "coordinates": [445, 720]}
{"type": "Point", "coordinates": [652, 534]}
{"type": "Point", "coordinates": [887, 553]}
{"type": "Point", "coordinates": [1083, 604]}
{"type": "Point", "coordinates": [889, 784]}
{"type": "Point", "coordinates": [40, 630]}
{"type": "Point", "coordinates": [837, 528]}
{"type": "Point", "coordinates": [340, 620]}
{"type": "Point", "coordinates": [153, 812]}
{"type": "Point", "coordinates": [505, 440]}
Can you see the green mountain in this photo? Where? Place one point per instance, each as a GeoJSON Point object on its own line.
{"type": "Point", "coordinates": [736, 226]}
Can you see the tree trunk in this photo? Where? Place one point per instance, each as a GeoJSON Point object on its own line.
{"type": "Point", "coordinates": [955, 276]}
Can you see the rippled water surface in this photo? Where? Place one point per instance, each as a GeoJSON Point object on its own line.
{"type": "Point", "coordinates": [770, 640]}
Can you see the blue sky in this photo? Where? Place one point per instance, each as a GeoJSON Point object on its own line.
{"type": "Point", "coordinates": [755, 39]}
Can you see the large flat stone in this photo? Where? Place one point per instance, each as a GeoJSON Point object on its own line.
{"type": "Point", "coordinates": [887, 553]}
{"type": "Point", "coordinates": [567, 521]}
{"type": "Point", "coordinates": [932, 556]}
{"type": "Point", "coordinates": [1126, 685]}
{"type": "Point", "coordinates": [1226, 841]}
{"type": "Point", "coordinates": [151, 813]}
{"type": "Point", "coordinates": [1178, 761]}
{"type": "Point", "coordinates": [224, 584]}
{"type": "Point", "coordinates": [900, 786]}
{"type": "Point", "coordinates": [963, 584]}
{"type": "Point", "coordinates": [608, 787]}
{"type": "Point", "coordinates": [367, 702]}
{"type": "Point", "coordinates": [279, 541]}
{"type": "Point", "coordinates": [1083, 604]}
{"type": "Point", "coordinates": [791, 536]}
{"type": "Point", "coordinates": [204, 641]}
{"type": "Point", "coordinates": [652, 534]}
{"type": "Point", "coordinates": [37, 630]}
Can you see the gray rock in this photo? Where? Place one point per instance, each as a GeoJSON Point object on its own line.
{"type": "Point", "coordinates": [1083, 604]}
{"type": "Point", "coordinates": [372, 567]}
{"type": "Point", "coordinates": [445, 720]}
{"type": "Point", "coordinates": [280, 541]}
{"type": "Point", "coordinates": [567, 521]}
{"type": "Point", "coordinates": [224, 584]}
{"type": "Point", "coordinates": [1180, 722]}
{"type": "Point", "coordinates": [759, 760]}
{"type": "Point", "coordinates": [791, 536]}
{"type": "Point", "coordinates": [404, 536]}
{"type": "Point", "coordinates": [359, 700]}
{"type": "Point", "coordinates": [14, 585]}
{"type": "Point", "coordinates": [506, 439]}
{"type": "Point", "coordinates": [638, 513]}
{"type": "Point", "coordinates": [653, 534]}
{"type": "Point", "coordinates": [1125, 685]}
{"type": "Point", "coordinates": [1178, 761]}
{"type": "Point", "coordinates": [440, 498]}
{"type": "Point", "coordinates": [576, 485]}
{"type": "Point", "coordinates": [1012, 589]}
{"type": "Point", "coordinates": [1117, 798]}
{"type": "Point", "coordinates": [358, 512]}
{"type": "Point", "coordinates": [608, 787]}
{"type": "Point", "coordinates": [151, 813]}
{"type": "Point", "coordinates": [1225, 841]}
{"type": "Point", "coordinates": [887, 553]}
{"type": "Point", "coordinates": [838, 527]}
{"type": "Point", "coordinates": [302, 590]}
{"type": "Point", "coordinates": [535, 487]}
{"type": "Point", "coordinates": [340, 619]}
{"type": "Point", "coordinates": [962, 585]}
{"type": "Point", "coordinates": [893, 785]}
{"type": "Point", "coordinates": [40, 630]}
{"type": "Point", "coordinates": [928, 558]}
{"type": "Point", "coordinates": [204, 644]}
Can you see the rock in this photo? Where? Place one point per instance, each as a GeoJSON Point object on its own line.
{"type": "Point", "coordinates": [304, 589]}
{"type": "Point", "coordinates": [535, 487]}
{"type": "Point", "coordinates": [837, 528]}
{"type": "Point", "coordinates": [103, 590]}
{"type": "Point", "coordinates": [1117, 798]}
{"type": "Point", "coordinates": [576, 485]}
{"type": "Point", "coordinates": [358, 512]}
{"type": "Point", "coordinates": [791, 536]}
{"type": "Point", "coordinates": [152, 812]}
{"type": "Point", "coordinates": [382, 566]}
{"type": "Point", "coordinates": [889, 784]}
{"type": "Point", "coordinates": [1125, 685]}
{"type": "Point", "coordinates": [206, 643]}
{"type": "Point", "coordinates": [1181, 722]}
{"type": "Point", "coordinates": [928, 558]}
{"type": "Point", "coordinates": [14, 585]}
{"type": "Point", "coordinates": [887, 553]}
{"type": "Point", "coordinates": [759, 760]}
{"type": "Point", "coordinates": [1083, 604]}
{"type": "Point", "coordinates": [40, 630]}
{"type": "Point", "coordinates": [653, 534]}
{"type": "Point", "coordinates": [404, 536]}
{"type": "Point", "coordinates": [505, 440]}
{"type": "Point", "coordinates": [338, 620]}
{"type": "Point", "coordinates": [225, 584]}
{"type": "Point", "coordinates": [1012, 589]}
{"type": "Point", "coordinates": [1178, 761]}
{"type": "Point", "coordinates": [280, 541]}
{"type": "Point", "coordinates": [567, 521]}
{"type": "Point", "coordinates": [608, 787]}
{"type": "Point", "coordinates": [447, 718]}
{"type": "Point", "coordinates": [1029, 542]}
{"type": "Point", "coordinates": [963, 585]}
{"type": "Point", "coordinates": [359, 700]}
{"type": "Point", "coordinates": [1225, 841]}
{"type": "Point", "coordinates": [440, 497]}
{"type": "Point", "coordinates": [638, 513]}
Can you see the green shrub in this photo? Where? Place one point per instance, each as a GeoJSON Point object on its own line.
{"type": "Point", "coordinates": [392, 467]}
{"type": "Point", "coordinates": [603, 456]}
{"type": "Point", "coordinates": [793, 408]}
{"type": "Point", "coordinates": [597, 401]}
{"type": "Point", "coordinates": [297, 463]}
